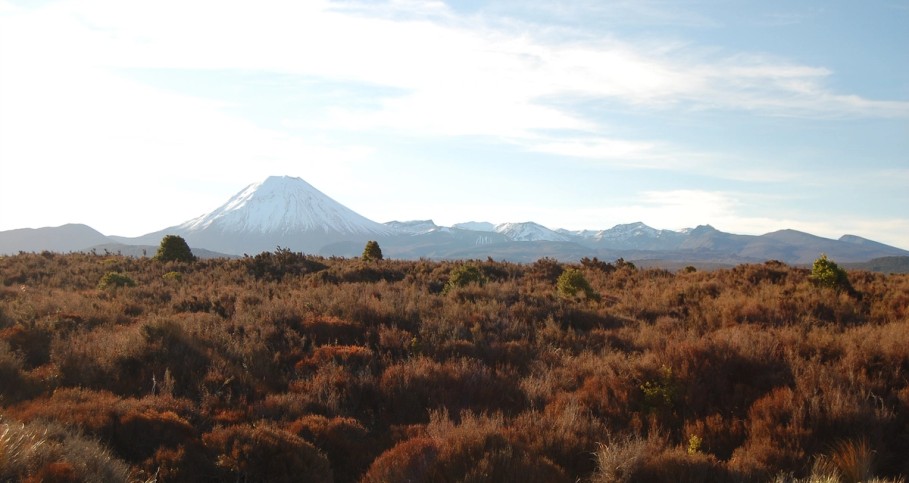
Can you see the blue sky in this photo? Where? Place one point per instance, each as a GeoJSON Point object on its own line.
{"type": "Point", "coordinates": [749, 116]}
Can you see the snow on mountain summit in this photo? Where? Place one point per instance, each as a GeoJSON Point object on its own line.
{"type": "Point", "coordinates": [283, 204]}
{"type": "Point", "coordinates": [529, 231]}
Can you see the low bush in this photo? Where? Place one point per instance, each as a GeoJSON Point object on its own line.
{"type": "Point", "coordinates": [115, 280]}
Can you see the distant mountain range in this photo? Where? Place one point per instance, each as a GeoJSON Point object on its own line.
{"type": "Point", "coordinates": [290, 213]}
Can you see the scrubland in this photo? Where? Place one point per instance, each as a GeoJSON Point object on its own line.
{"type": "Point", "coordinates": [284, 367]}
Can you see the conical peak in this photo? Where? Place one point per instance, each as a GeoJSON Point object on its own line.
{"type": "Point", "coordinates": [284, 204]}
{"type": "Point", "coordinates": [282, 180]}
{"type": "Point", "coordinates": [281, 183]}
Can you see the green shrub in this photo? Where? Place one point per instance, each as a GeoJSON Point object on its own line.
{"type": "Point", "coordinates": [661, 393]}
{"type": "Point", "coordinates": [173, 248]}
{"type": "Point", "coordinates": [372, 252]}
{"type": "Point", "coordinates": [464, 276]}
{"type": "Point", "coordinates": [572, 284]}
{"type": "Point", "coordinates": [826, 273]}
{"type": "Point", "coordinates": [173, 277]}
{"type": "Point", "coordinates": [115, 279]}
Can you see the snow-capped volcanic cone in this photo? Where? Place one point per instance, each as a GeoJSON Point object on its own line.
{"type": "Point", "coordinates": [280, 211]}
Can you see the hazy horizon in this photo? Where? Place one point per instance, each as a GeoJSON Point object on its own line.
{"type": "Point", "coordinates": [752, 118]}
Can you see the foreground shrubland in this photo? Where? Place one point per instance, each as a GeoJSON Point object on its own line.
{"type": "Point", "coordinates": [283, 367]}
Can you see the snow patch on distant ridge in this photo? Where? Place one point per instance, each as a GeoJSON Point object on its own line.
{"type": "Point", "coordinates": [414, 227]}
{"type": "Point", "coordinates": [529, 231]}
{"type": "Point", "coordinates": [475, 226]}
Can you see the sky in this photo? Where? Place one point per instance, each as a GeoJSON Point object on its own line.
{"type": "Point", "coordinates": [749, 116]}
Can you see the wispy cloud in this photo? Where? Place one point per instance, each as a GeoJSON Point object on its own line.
{"type": "Point", "coordinates": [446, 61]}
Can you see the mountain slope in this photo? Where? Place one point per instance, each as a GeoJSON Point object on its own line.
{"type": "Point", "coordinates": [794, 246]}
{"type": "Point", "coordinates": [883, 265]}
{"type": "Point", "coordinates": [65, 238]}
{"type": "Point", "coordinates": [871, 244]}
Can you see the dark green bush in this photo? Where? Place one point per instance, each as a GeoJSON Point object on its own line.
{"type": "Point", "coordinates": [173, 248]}
{"type": "Point", "coordinates": [280, 263]}
{"type": "Point", "coordinates": [372, 252]}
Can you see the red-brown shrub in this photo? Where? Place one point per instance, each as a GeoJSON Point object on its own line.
{"type": "Point", "coordinates": [679, 466]}
{"type": "Point", "coordinates": [777, 432]}
{"type": "Point", "coordinates": [410, 389]}
{"type": "Point", "coordinates": [140, 432]}
{"type": "Point", "coordinates": [346, 443]}
{"type": "Point", "coordinates": [719, 435]}
{"type": "Point", "coordinates": [11, 377]}
{"type": "Point", "coordinates": [333, 330]}
{"type": "Point", "coordinates": [31, 341]}
{"type": "Point", "coordinates": [412, 460]}
{"type": "Point", "coordinates": [394, 341]}
{"type": "Point", "coordinates": [56, 472]}
{"type": "Point", "coordinates": [352, 356]}
{"type": "Point", "coordinates": [568, 437]}
{"type": "Point", "coordinates": [725, 374]}
{"type": "Point", "coordinates": [188, 462]}
{"type": "Point", "coordinates": [129, 359]}
{"type": "Point", "coordinates": [263, 452]}
{"type": "Point", "coordinates": [476, 449]}
{"type": "Point", "coordinates": [335, 389]}
{"type": "Point", "coordinates": [634, 459]}
{"type": "Point", "coordinates": [134, 428]}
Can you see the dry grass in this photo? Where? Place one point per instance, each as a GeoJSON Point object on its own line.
{"type": "Point", "coordinates": [39, 451]}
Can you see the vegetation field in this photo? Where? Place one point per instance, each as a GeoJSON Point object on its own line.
{"type": "Point", "coordinates": [286, 367]}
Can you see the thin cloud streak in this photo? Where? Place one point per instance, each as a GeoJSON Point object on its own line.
{"type": "Point", "coordinates": [444, 60]}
